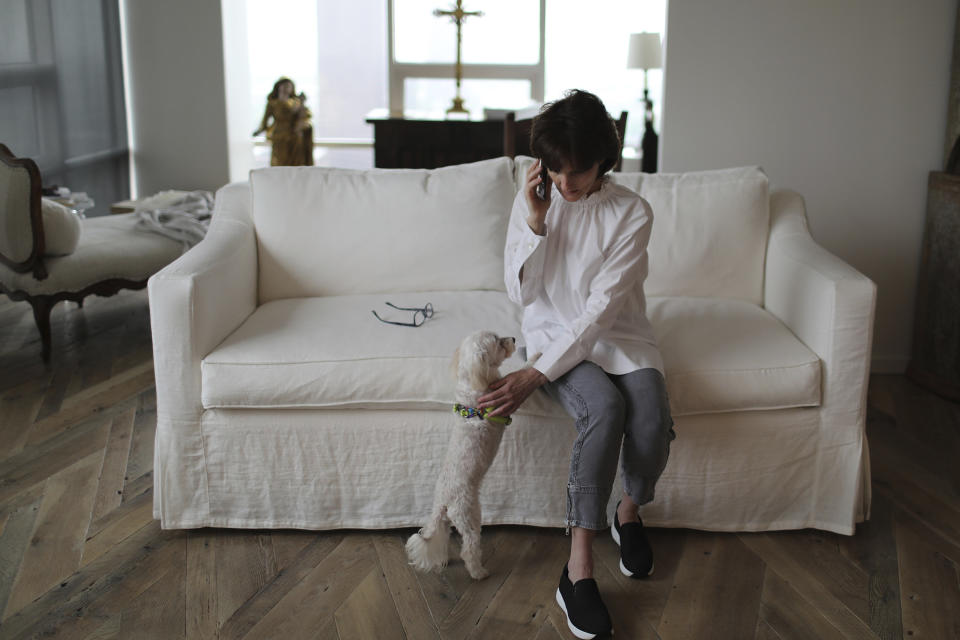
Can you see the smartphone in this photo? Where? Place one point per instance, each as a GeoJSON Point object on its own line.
{"type": "Point", "coordinates": [544, 186]}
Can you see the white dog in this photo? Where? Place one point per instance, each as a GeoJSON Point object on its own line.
{"type": "Point", "coordinates": [473, 445]}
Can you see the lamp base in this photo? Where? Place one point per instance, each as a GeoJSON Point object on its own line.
{"type": "Point", "coordinates": [649, 146]}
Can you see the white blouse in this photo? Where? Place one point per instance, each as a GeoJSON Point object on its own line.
{"type": "Point", "coordinates": [582, 288]}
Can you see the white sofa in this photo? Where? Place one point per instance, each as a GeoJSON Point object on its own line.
{"type": "Point", "coordinates": [282, 402]}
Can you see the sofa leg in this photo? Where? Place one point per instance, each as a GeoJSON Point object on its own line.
{"type": "Point", "coordinates": [41, 315]}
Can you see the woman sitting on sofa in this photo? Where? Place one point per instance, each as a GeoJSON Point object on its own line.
{"type": "Point", "coordinates": [576, 260]}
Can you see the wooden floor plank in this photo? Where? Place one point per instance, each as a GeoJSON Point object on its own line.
{"type": "Point", "coordinates": [56, 390]}
{"type": "Point", "coordinates": [716, 590]}
{"type": "Point", "coordinates": [312, 602]}
{"type": "Point", "coordinates": [875, 549]}
{"type": "Point", "coordinates": [244, 619]}
{"type": "Point", "coordinates": [289, 544]}
{"type": "Point", "coordinates": [18, 411]}
{"type": "Point", "coordinates": [140, 462]}
{"type": "Point", "coordinates": [134, 561]}
{"type": "Point", "coordinates": [57, 542]}
{"type": "Point", "coordinates": [19, 522]}
{"type": "Point", "coordinates": [940, 513]}
{"type": "Point", "coordinates": [408, 599]}
{"type": "Point", "coordinates": [109, 630]}
{"type": "Point", "coordinates": [929, 585]}
{"type": "Point", "coordinates": [89, 402]}
{"type": "Point", "coordinates": [159, 612]}
{"type": "Point", "coordinates": [798, 574]}
{"type": "Point", "coordinates": [765, 631]}
{"type": "Point", "coordinates": [474, 596]}
{"type": "Point", "coordinates": [117, 526]}
{"type": "Point", "coordinates": [820, 552]}
{"type": "Point", "coordinates": [245, 564]}
{"type": "Point", "coordinates": [521, 605]}
{"type": "Point", "coordinates": [369, 612]}
{"type": "Point", "coordinates": [110, 487]}
{"type": "Point", "coordinates": [790, 616]}
{"type": "Point", "coordinates": [549, 632]}
{"type": "Point", "coordinates": [200, 586]}
{"type": "Point", "coordinates": [36, 464]}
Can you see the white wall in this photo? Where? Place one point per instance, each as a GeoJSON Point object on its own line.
{"type": "Point", "coordinates": [844, 102]}
{"type": "Point", "coordinates": [175, 91]}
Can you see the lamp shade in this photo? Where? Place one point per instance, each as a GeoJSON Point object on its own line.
{"type": "Point", "coordinates": [645, 51]}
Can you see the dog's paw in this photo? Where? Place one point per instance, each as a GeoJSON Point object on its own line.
{"type": "Point", "coordinates": [532, 359]}
{"type": "Point", "coordinates": [478, 573]}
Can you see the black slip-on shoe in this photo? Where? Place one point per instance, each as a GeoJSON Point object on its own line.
{"type": "Point", "coordinates": [636, 556]}
{"type": "Point", "coordinates": [587, 616]}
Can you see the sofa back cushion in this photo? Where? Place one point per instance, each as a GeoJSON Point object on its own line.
{"type": "Point", "coordinates": [709, 231]}
{"type": "Point", "coordinates": [323, 231]}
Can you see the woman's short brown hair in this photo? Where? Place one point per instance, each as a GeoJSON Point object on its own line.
{"type": "Point", "coordinates": [575, 129]}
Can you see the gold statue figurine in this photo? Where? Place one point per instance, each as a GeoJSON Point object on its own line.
{"type": "Point", "coordinates": [290, 132]}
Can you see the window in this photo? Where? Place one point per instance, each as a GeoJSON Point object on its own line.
{"type": "Point", "coordinates": [61, 94]}
{"type": "Point", "coordinates": [502, 61]}
{"type": "Point", "coordinates": [335, 52]}
{"type": "Point", "coordinates": [522, 51]}
{"type": "Point", "coordinates": [355, 58]}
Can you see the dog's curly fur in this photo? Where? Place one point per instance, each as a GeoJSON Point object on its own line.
{"type": "Point", "coordinates": [473, 445]}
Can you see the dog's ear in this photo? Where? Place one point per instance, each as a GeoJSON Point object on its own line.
{"type": "Point", "coordinates": [479, 374]}
{"type": "Point", "coordinates": [455, 363]}
{"type": "Point", "coordinates": [471, 365]}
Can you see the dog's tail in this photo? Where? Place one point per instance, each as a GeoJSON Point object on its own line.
{"type": "Point", "coordinates": [427, 549]}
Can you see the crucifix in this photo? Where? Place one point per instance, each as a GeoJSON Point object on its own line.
{"type": "Point", "coordinates": [457, 16]}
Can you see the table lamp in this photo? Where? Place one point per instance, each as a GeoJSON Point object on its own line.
{"type": "Point", "coordinates": [646, 53]}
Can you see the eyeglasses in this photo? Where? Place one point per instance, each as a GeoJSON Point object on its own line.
{"type": "Point", "coordinates": [420, 315]}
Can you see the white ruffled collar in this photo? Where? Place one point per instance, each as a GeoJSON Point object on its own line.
{"type": "Point", "coordinates": [599, 196]}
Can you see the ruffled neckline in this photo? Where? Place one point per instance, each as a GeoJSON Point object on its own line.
{"type": "Point", "coordinates": [599, 196]}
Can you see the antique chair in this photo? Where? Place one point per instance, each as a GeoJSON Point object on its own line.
{"type": "Point", "coordinates": [48, 254]}
{"type": "Point", "coordinates": [516, 136]}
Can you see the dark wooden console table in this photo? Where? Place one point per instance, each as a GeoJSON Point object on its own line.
{"type": "Point", "coordinates": [404, 143]}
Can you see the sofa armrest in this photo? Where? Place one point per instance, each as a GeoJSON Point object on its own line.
{"type": "Point", "coordinates": [198, 300]}
{"type": "Point", "coordinates": [827, 303]}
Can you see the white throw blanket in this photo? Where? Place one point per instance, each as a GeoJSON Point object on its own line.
{"type": "Point", "coordinates": [185, 219]}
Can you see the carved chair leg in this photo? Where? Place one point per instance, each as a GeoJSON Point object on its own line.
{"type": "Point", "coordinates": [41, 315]}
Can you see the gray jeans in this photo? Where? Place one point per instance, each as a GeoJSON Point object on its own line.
{"type": "Point", "coordinates": [610, 410]}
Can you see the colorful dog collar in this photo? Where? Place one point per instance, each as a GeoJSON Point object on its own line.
{"type": "Point", "coordinates": [472, 412]}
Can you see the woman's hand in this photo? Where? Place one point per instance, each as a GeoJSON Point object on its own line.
{"type": "Point", "coordinates": [509, 392]}
{"type": "Point", "coordinates": [537, 207]}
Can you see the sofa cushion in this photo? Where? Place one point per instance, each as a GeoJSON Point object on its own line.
{"type": "Point", "coordinates": [720, 355]}
{"type": "Point", "coordinates": [324, 232]}
{"type": "Point", "coordinates": [709, 233]}
{"type": "Point", "coordinates": [729, 355]}
{"type": "Point", "coordinates": [333, 352]}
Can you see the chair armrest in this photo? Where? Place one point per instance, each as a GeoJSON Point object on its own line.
{"type": "Point", "coordinates": [827, 303]}
{"type": "Point", "coordinates": [197, 301]}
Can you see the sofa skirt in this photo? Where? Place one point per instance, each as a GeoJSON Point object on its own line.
{"type": "Point", "coordinates": [376, 469]}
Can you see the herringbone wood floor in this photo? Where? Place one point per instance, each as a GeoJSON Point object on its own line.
{"type": "Point", "coordinates": [81, 557]}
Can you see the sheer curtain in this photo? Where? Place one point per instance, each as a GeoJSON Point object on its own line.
{"type": "Point", "coordinates": [61, 94]}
